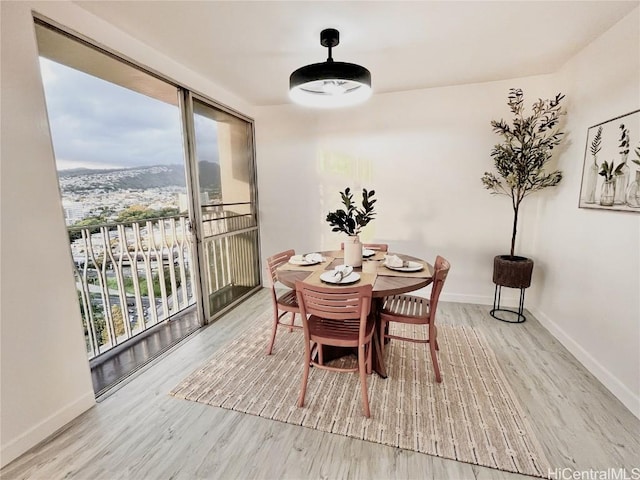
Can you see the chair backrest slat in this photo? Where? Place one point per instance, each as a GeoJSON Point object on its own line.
{"type": "Point", "coordinates": [274, 261]}
{"type": "Point", "coordinates": [441, 270]}
{"type": "Point", "coordinates": [337, 303]}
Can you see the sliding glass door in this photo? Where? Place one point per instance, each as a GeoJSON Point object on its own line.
{"type": "Point", "coordinates": [158, 190]}
{"type": "Point", "coordinates": [224, 196]}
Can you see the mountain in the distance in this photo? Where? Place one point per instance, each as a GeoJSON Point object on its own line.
{"type": "Point", "coordinates": [75, 172]}
{"type": "Point", "coordinates": [136, 178]}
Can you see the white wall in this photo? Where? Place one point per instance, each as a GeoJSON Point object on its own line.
{"type": "Point", "coordinates": [45, 379]}
{"type": "Point", "coordinates": [589, 260]}
{"type": "Point", "coordinates": [423, 151]}
{"type": "Point", "coordinates": [45, 375]}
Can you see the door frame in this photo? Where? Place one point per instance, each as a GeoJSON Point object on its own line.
{"type": "Point", "coordinates": [185, 101]}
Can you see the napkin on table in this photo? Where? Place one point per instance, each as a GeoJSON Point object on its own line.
{"type": "Point", "coordinates": [393, 261]}
{"type": "Point", "coordinates": [313, 258]}
{"type": "Point", "coordinates": [342, 271]}
{"type": "Point", "coordinates": [345, 269]}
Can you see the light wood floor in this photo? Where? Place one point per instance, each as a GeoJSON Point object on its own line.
{"type": "Point", "coordinates": [141, 432]}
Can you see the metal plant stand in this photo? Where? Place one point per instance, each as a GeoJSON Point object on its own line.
{"type": "Point", "coordinates": [496, 307]}
{"type": "Point", "coordinates": [511, 272]}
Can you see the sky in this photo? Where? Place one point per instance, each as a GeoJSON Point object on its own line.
{"type": "Point", "coordinates": [97, 124]}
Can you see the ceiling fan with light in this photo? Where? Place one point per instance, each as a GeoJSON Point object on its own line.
{"type": "Point", "coordinates": [330, 84]}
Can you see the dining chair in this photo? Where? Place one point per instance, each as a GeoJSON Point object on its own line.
{"type": "Point", "coordinates": [338, 317]}
{"type": "Point", "coordinates": [378, 247]}
{"type": "Point", "coordinates": [416, 310]}
{"type": "Point", "coordinates": [287, 302]}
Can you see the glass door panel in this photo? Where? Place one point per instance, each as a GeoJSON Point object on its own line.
{"type": "Point", "coordinates": [224, 168]}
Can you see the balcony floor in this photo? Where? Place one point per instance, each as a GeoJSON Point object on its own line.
{"type": "Point", "coordinates": [113, 367]}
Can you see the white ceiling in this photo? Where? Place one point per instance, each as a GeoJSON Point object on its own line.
{"type": "Point", "coordinates": [251, 48]}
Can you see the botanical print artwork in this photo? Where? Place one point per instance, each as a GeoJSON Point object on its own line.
{"type": "Point", "coordinates": [611, 171]}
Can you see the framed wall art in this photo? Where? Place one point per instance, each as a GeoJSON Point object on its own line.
{"type": "Point", "coordinates": [611, 170]}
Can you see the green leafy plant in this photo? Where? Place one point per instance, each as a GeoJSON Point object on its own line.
{"type": "Point", "coordinates": [524, 152]}
{"type": "Point", "coordinates": [608, 172]}
{"type": "Point", "coordinates": [352, 218]}
{"type": "Point", "coordinates": [596, 145]}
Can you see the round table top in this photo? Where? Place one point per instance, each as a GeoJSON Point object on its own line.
{"type": "Point", "coordinates": [383, 287]}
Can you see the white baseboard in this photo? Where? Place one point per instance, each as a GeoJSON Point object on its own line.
{"type": "Point", "coordinates": [17, 446]}
{"type": "Point", "coordinates": [465, 298]}
{"type": "Point", "coordinates": [506, 300]}
{"type": "Point", "coordinates": [610, 381]}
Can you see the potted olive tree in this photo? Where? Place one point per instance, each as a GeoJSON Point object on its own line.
{"type": "Point", "coordinates": [520, 160]}
{"type": "Point", "coordinates": [351, 220]}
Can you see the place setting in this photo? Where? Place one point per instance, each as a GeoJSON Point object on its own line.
{"type": "Point", "coordinates": [307, 262]}
{"type": "Point", "coordinates": [341, 275]}
{"type": "Point", "coordinates": [396, 266]}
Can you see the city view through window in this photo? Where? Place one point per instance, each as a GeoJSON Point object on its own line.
{"type": "Point", "coordinates": [119, 154]}
{"type": "Point", "coordinates": [121, 170]}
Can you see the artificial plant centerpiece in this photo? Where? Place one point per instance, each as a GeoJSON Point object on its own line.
{"type": "Point", "coordinates": [350, 220]}
{"type": "Point", "coordinates": [520, 160]}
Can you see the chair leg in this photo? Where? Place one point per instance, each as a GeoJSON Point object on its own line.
{"type": "Point", "coordinates": [275, 329]}
{"type": "Point", "coordinates": [434, 360]}
{"type": "Point", "coordinates": [383, 326]}
{"type": "Point", "coordinates": [433, 334]}
{"type": "Point", "coordinates": [370, 357]}
{"type": "Point", "coordinates": [305, 374]}
{"type": "Point", "coordinates": [293, 319]}
{"type": "Point", "coordinates": [363, 380]}
{"type": "Point", "coordinates": [320, 357]}
{"type": "Point", "coordinates": [432, 348]}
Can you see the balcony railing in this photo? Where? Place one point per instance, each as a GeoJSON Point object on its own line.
{"type": "Point", "coordinates": [131, 277]}
{"type": "Point", "coordinates": [230, 245]}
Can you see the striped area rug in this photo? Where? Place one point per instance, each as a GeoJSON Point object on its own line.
{"type": "Point", "coordinates": [472, 416]}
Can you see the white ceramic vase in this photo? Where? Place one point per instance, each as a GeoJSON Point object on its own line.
{"type": "Point", "coordinates": [353, 251]}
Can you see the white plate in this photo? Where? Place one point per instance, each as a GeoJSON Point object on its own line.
{"type": "Point", "coordinates": [293, 261]}
{"type": "Point", "coordinates": [330, 277]}
{"type": "Point", "coordinates": [368, 253]}
{"type": "Point", "coordinates": [412, 267]}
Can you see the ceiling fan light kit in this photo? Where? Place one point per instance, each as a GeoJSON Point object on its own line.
{"type": "Point", "coordinates": [330, 84]}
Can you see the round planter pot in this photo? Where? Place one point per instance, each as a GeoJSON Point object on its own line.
{"type": "Point", "coordinates": [353, 251]}
{"type": "Point", "coordinates": [512, 272]}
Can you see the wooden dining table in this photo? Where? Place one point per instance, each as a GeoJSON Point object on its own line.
{"type": "Point", "coordinates": [387, 283]}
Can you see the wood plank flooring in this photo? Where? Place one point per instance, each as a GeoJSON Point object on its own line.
{"type": "Point", "coordinates": [140, 432]}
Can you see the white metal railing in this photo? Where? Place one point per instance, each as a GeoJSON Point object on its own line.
{"type": "Point", "coordinates": [131, 277]}
{"type": "Point", "coordinates": [230, 245]}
